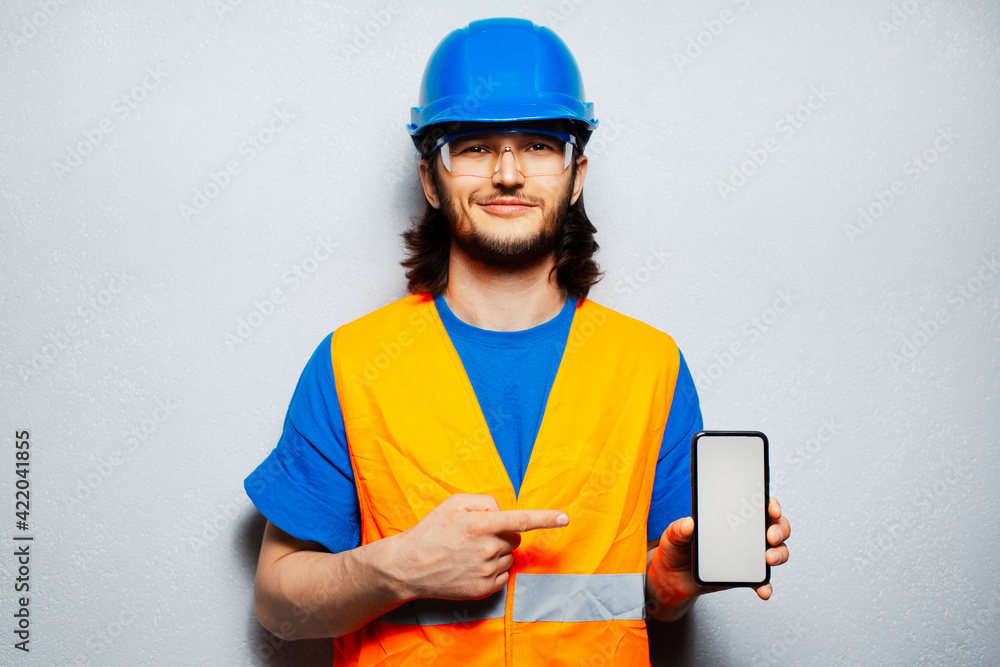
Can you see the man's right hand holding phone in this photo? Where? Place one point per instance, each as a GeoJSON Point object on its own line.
{"type": "Point", "coordinates": [670, 585]}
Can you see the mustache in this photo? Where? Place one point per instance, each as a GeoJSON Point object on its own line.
{"type": "Point", "coordinates": [519, 196]}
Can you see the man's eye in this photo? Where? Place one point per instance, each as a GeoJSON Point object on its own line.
{"type": "Point", "coordinates": [472, 150]}
{"type": "Point", "coordinates": [540, 147]}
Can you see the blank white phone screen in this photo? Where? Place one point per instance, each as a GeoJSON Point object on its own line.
{"type": "Point", "coordinates": [731, 509]}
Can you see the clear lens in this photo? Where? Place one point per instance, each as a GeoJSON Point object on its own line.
{"type": "Point", "coordinates": [535, 153]}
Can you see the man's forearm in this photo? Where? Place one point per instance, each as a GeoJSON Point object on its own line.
{"type": "Point", "coordinates": [310, 594]}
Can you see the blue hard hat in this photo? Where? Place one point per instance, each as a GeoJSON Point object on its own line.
{"type": "Point", "coordinates": [501, 70]}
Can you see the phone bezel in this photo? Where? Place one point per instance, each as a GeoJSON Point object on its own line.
{"type": "Point", "coordinates": [694, 508]}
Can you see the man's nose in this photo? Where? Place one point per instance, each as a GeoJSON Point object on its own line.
{"type": "Point", "coordinates": [508, 172]}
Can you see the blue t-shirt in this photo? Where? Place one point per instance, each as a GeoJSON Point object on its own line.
{"type": "Point", "coordinates": [306, 485]}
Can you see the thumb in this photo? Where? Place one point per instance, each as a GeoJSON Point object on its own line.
{"type": "Point", "coordinates": [675, 544]}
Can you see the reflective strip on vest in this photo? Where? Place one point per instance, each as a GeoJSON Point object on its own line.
{"type": "Point", "coordinates": [561, 598]}
{"type": "Point", "coordinates": [432, 611]}
{"type": "Point", "coordinates": [575, 598]}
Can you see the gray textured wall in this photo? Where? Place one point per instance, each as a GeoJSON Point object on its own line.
{"type": "Point", "coordinates": [171, 172]}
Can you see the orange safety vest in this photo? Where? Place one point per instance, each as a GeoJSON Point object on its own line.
{"type": "Point", "coordinates": [417, 435]}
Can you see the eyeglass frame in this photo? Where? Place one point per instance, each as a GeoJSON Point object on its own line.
{"type": "Point", "coordinates": [446, 139]}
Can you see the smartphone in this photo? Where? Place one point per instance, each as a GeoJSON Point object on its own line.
{"type": "Point", "coordinates": [729, 496]}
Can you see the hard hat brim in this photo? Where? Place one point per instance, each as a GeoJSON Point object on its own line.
{"type": "Point", "coordinates": [467, 109]}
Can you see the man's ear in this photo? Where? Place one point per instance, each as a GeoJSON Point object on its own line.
{"type": "Point", "coordinates": [581, 175]}
{"type": "Point", "coordinates": [427, 181]}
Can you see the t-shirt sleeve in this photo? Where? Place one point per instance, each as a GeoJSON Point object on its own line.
{"type": "Point", "coordinates": [671, 498]}
{"type": "Point", "coordinates": [306, 485]}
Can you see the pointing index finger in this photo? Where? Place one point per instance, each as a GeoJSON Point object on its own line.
{"type": "Point", "coordinates": [520, 521]}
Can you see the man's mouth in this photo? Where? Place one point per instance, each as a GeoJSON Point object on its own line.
{"type": "Point", "coordinates": [506, 206]}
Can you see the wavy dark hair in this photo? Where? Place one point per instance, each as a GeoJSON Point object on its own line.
{"type": "Point", "coordinates": [428, 243]}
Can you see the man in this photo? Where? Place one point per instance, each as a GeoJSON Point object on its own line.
{"type": "Point", "coordinates": [483, 472]}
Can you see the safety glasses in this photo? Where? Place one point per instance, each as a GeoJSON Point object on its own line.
{"type": "Point", "coordinates": [479, 152]}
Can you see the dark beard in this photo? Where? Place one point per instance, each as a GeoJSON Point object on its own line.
{"type": "Point", "coordinates": [506, 253]}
